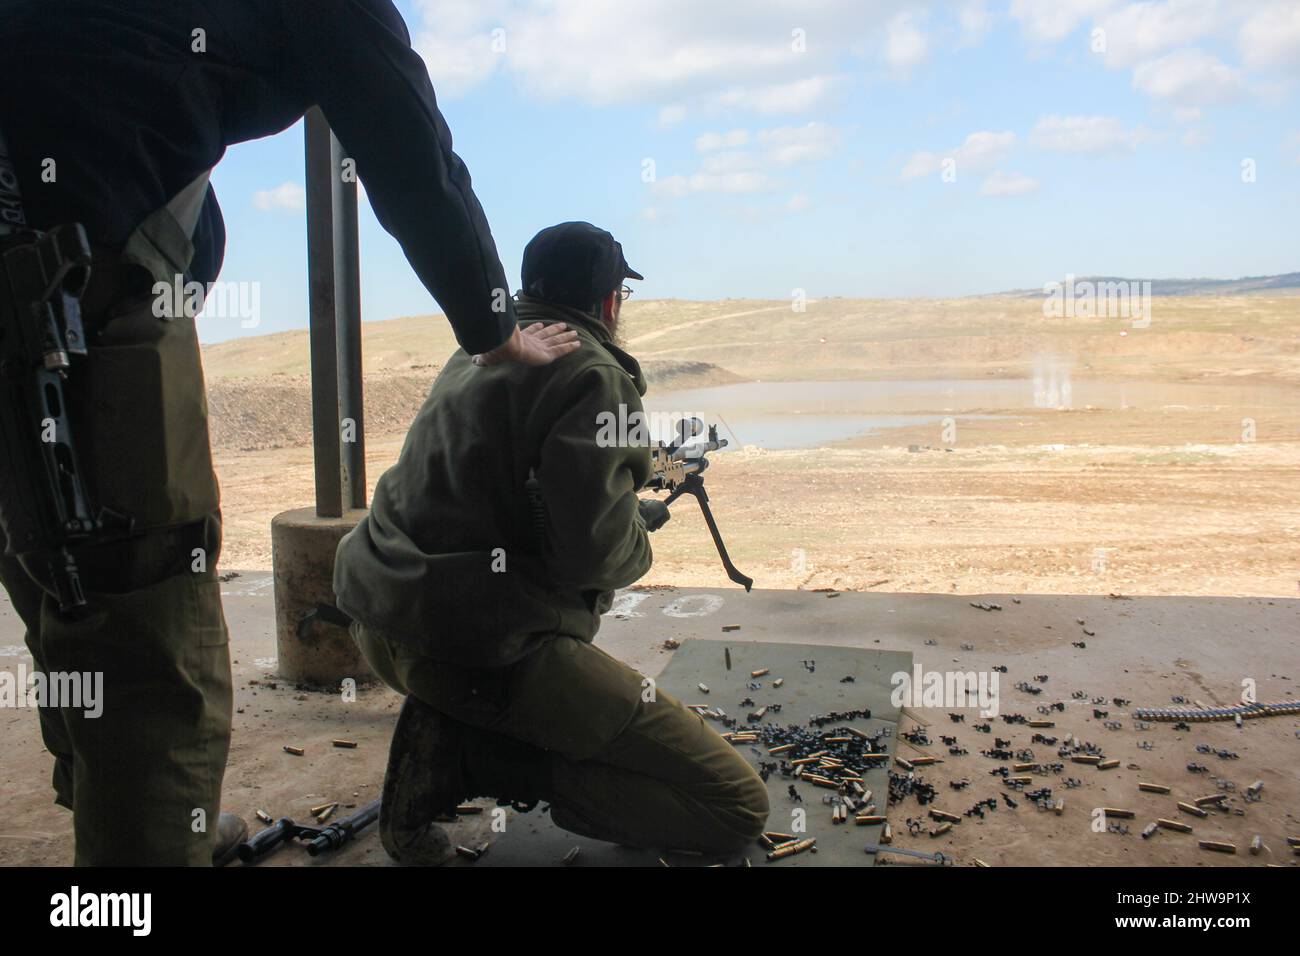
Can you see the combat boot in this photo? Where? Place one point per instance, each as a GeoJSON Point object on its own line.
{"type": "Point", "coordinates": [424, 780]}
{"type": "Point", "coordinates": [231, 831]}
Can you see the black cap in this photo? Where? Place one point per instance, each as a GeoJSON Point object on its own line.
{"type": "Point", "coordinates": [575, 264]}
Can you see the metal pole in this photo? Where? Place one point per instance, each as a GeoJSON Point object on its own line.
{"type": "Point", "coordinates": [347, 277]}
{"type": "Point", "coordinates": [323, 337]}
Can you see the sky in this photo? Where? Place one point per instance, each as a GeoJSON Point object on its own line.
{"type": "Point", "coordinates": [857, 148]}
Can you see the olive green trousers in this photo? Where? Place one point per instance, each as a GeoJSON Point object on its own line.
{"type": "Point", "coordinates": [143, 777]}
{"type": "Point", "coordinates": [629, 763]}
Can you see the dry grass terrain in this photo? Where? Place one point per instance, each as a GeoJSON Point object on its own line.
{"type": "Point", "coordinates": [1147, 496]}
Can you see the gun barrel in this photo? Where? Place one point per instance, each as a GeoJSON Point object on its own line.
{"type": "Point", "coordinates": [336, 834]}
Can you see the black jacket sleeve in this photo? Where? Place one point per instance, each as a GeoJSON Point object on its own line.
{"type": "Point", "coordinates": [357, 64]}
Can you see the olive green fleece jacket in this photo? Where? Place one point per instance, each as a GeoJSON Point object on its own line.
{"type": "Point", "coordinates": [453, 559]}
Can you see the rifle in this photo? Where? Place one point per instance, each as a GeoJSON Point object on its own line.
{"type": "Point", "coordinates": [44, 505]}
{"type": "Point", "coordinates": [318, 839]}
{"type": "Point", "coordinates": [678, 468]}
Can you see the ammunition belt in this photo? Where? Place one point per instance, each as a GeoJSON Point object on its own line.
{"type": "Point", "coordinates": [1245, 711]}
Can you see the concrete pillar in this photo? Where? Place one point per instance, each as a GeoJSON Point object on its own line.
{"type": "Point", "coordinates": [302, 554]}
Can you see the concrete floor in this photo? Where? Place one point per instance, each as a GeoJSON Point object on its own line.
{"type": "Point", "coordinates": [1145, 650]}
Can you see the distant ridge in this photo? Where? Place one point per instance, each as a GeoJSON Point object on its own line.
{"type": "Point", "coordinates": [1287, 282]}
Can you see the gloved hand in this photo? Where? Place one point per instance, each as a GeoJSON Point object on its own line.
{"type": "Point", "coordinates": [654, 513]}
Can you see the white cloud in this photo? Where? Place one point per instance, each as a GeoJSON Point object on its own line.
{"type": "Point", "coordinates": [792, 145]}
{"type": "Point", "coordinates": [671, 115]}
{"type": "Point", "coordinates": [983, 149]}
{"type": "Point", "coordinates": [1008, 184]}
{"type": "Point", "coordinates": [921, 164]}
{"type": "Point", "coordinates": [290, 196]}
{"type": "Point", "coordinates": [797, 96]}
{"type": "Point", "coordinates": [737, 181]}
{"type": "Point", "coordinates": [456, 64]}
{"type": "Point", "coordinates": [605, 53]}
{"type": "Point", "coordinates": [976, 21]}
{"type": "Point", "coordinates": [729, 161]}
{"type": "Point", "coordinates": [906, 45]}
{"type": "Point", "coordinates": [729, 140]}
{"type": "Point", "coordinates": [1139, 31]}
{"type": "Point", "coordinates": [1083, 134]}
{"type": "Point", "coordinates": [1189, 78]}
{"type": "Point", "coordinates": [980, 152]}
{"type": "Point", "coordinates": [1270, 39]}
{"type": "Point", "coordinates": [1053, 20]}
{"type": "Point", "coordinates": [726, 168]}
{"type": "Point", "coordinates": [798, 203]}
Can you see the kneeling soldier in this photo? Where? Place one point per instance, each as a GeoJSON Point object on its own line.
{"type": "Point", "coordinates": [478, 580]}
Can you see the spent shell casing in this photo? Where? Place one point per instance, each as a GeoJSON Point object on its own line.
{"type": "Point", "coordinates": [344, 744]}
{"type": "Point", "coordinates": [296, 751]}
{"type": "Point", "coordinates": [1153, 787]}
{"type": "Point", "coordinates": [790, 849]}
{"type": "Point", "coordinates": [1217, 847]}
{"type": "Point", "coordinates": [760, 672]}
{"type": "Point", "coordinates": [1174, 825]}
{"type": "Point", "coordinates": [1193, 809]}
{"type": "Point", "coordinates": [1118, 812]}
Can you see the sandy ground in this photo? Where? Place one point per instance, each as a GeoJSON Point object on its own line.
{"type": "Point", "coordinates": [1158, 498]}
{"type": "Point", "coordinates": [1149, 511]}
{"type": "Point", "coordinates": [1144, 650]}
{"type": "Point", "coordinates": [1057, 507]}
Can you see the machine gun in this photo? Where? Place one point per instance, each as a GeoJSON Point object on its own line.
{"type": "Point", "coordinates": [318, 839]}
{"type": "Point", "coordinates": [678, 468]}
{"type": "Point", "coordinates": [44, 505]}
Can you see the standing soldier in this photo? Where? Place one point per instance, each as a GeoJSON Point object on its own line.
{"type": "Point", "coordinates": [113, 117]}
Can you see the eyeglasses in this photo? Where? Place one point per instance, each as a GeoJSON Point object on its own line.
{"type": "Point", "coordinates": [624, 292]}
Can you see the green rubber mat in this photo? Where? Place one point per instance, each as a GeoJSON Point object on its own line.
{"type": "Point", "coordinates": [813, 685]}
